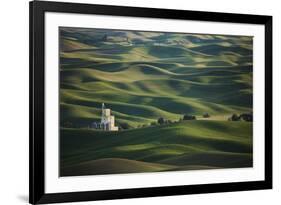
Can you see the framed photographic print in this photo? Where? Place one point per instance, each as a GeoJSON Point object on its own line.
{"type": "Point", "coordinates": [139, 102]}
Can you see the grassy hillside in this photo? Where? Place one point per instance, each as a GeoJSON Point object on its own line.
{"type": "Point", "coordinates": [178, 146]}
{"type": "Point", "coordinates": [142, 76]}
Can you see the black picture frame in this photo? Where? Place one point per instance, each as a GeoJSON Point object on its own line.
{"type": "Point", "coordinates": [37, 11]}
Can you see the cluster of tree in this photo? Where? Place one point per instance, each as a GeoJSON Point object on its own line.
{"type": "Point", "coordinates": [162, 121]}
{"type": "Point", "coordinates": [124, 126]}
{"type": "Point", "coordinates": [248, 117]}
{"type": "Point", "coordinates": [189, 117]}
{"type": "Point", "coordinates": [206, 115]}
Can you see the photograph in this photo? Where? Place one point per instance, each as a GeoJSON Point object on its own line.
{"type": "Point", "coordinates": [133, 101]}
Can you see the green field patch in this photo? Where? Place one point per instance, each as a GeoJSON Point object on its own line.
{"type": "Point", "coordinates": [179, 142]}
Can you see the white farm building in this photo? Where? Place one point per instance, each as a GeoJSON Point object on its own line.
{"type": "Point", "coordinates": [107, 120]}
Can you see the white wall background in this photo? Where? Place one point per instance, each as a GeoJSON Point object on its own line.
{"type": "Point", "coordinates": [14, 100]}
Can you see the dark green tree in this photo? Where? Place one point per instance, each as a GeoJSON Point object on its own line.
{"type": "Point", "coordinates": [246, 117]}
{"type": "Point", "coordinates": [235, 117]}
{"type": "Point", "coordinates": [161, 120]}
{"type": "Point", "coordinates": [124, 126]}
{"type": "Point", "coordinates": [189, 117]}
{"type": "Point", "coordinates": [206, 115]}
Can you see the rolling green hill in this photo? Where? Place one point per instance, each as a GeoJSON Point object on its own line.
{"type": "Point", "coordinates": [142, 76]}
{"type": "Point", "coordinates": [178, 146]}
